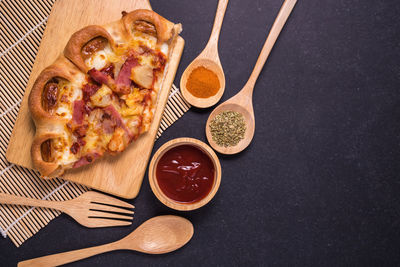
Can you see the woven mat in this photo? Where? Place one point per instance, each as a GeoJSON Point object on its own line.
{"type": "Point", "coordinates": [22, 25]}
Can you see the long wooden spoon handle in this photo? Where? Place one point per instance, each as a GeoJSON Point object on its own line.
{"type": "Point", "coordinates": [279, 22]}
{"type": "Point", "coordinates": [219, 17]}
{"type": "Point", "coordinates": [17, 200]}
{"type": "Point", "coordinates": [67, 257]}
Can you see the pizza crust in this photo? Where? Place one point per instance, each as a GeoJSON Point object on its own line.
{"type": "Point", "coordinates": [61, 68]}
{"type": "Point", "coordinates": [164, 28]}
{"type": "Point", "coordinates": [72, 63]}
{"type": "Point", "coordinates": [48, 126]}
{"type": "Point", "coordinates": [47, 169]}
{"type": "Point", "coordinates": [73, 49]}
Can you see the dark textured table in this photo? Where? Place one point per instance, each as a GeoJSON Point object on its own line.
{"type": "Point", "coordinates": [319, 185]}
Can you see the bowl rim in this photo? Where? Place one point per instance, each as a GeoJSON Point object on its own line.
{"type": "Point", "coordinates": [153, 179]}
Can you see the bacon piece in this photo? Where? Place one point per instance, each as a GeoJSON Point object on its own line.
{"type": "Point", "coordinates": [123, 81]}
{"type": "Point", "coordinates": [81, 142]}
{"type": "Point", "coordinates": [116, 117]}
{"type": "Point", "coordinates": [108, 126]}
{"type": "Point", "coordinates": [88, 109]}
{"type": "Point", "coordinates": [88, 158]}
{"type": "Point", "coordinates": [77, 125]}
{"type": "Point", "coordinates": [100, 77]}
{"type": "Point", "coordinates": [74, 148]}
{"type": "Point", "coordinates": [78, 111]}
{"type": "Point", "coordinates": [80, 130]}
{"type": "Point", "coordinates": [108, 70]}
{"type": "Point", "coordinates": [88, 90]}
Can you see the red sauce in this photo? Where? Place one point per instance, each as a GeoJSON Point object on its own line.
{"type": "Point", "coordinates": [185, 174]}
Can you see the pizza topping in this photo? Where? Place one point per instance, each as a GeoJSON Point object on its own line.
{"type": "Point", "coordinates": [142, 75]}
{"type": "Point", "coordinates": [116, 117]}
{"type": "Point", "coordinates": [145, 27]}
{"type": "Point", "coordinates": [159, 61]}
{"type": "Point", "coordinates": [75, 148]}
{"type": "Point", "coordinates": [144, 49]}
{"type": "Point", "coordinates": [88, 90]}
{"type": "Point", "coordinates": [87, 109]}
{"type": "Point", "coordinates": [80, 130]}
{"type": "Point", "coordinates": [123, 80]}
{"type": "Point", "coordinates": [156, 58]}
{"type": "Point", "coordinates": [78, 111]}
{"type": "Point", "coordinates": [102, 98]}
{"type": "Point", "coordinates": [119, 141]}
{"type": "Point", "coordinates": [64, 99]}
{"type": "Point", "coordinates": [109, 70]}
{"type": "Point", "coordinates": [45, 149]}
{"type": "Point", "coordinates": [50, 95]}
{"type": "Point", "coordinates": [86, 159]}
{"type": "Point", "coordinates": [135, 97]}
{"type": "Point", "coordinates": [99, 77]}
{"type": "Point", "coordinates": [93, 46]}
{"type": "Point", "coordinates": [95, 116]}
{"type": "Point", "coordinates": [108, 125]}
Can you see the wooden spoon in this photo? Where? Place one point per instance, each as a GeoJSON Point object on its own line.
{"type": "Point", "coordinates": [158, 235]}
{"type": "Point", "coordinates": [242, 101]}
{"type": "Point", "coordinates": [209, 59]}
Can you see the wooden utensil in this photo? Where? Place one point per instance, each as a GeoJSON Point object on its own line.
{"type": "Point", "coordinates": [209, 59]}
{"type": "Point", "coordinates": [115, 175]}
{"type": "Point", "coordinates": [158, 235]}
{"type": "Point", "coordinates": [242, 102]}
{"type": "Point", "coordinates": [90, 209]}
{"type": "Point", "coordinates": [154, 183]}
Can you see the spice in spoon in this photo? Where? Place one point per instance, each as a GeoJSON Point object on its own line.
{"type": "Point", "coordinates": [202, 83]}
{"type": "Point", "coordinates": [228, 128]}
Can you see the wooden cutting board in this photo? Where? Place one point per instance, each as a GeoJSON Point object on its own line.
{"type": "Point", "coordinates": [120, 175]}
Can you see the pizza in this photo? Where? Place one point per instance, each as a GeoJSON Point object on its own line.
{"type": "Point", "coordinates": [100, 94]}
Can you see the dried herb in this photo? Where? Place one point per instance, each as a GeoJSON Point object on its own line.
{"type": "Point", "coordinates": [228, 128]}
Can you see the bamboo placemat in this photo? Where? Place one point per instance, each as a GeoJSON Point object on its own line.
{"type": "Point", "coordinates": [22, 24]}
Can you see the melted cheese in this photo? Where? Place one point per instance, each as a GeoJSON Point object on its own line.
{"type": "Point", "coordinates": [147, 39]}
{"type": "Point", "coordinates": [62, 150]}
{"type": "Point", "coordinates": [68, 93]}
{"type": "Point", "coordinates": [164, 48]}
{"type": "Point", "coordinates": [100, 59]}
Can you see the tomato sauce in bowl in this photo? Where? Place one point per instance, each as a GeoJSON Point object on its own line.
{"type": "Point", "coordinates": [185, 174]}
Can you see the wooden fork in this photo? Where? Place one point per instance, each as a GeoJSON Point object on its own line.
{"type": "Point", "coordinates": [90, 209]}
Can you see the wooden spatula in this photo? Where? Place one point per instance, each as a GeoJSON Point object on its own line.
{"type": "Point", "coordinates": [90, 209]}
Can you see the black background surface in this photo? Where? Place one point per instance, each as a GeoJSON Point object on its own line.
{"type": "Point", "coordinates": [319, 185]}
